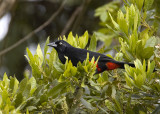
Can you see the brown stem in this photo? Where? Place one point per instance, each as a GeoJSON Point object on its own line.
{"type": "Point", "coordinates": [5, 6]}
{"type": "Point", "coordinates": [70, 21]}
{"type": "Point", "coordinates": [80, 16]}
{"type": "Point", "coordinates": [53, 16]}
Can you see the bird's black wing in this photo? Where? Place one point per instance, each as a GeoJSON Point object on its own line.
{"type": "Point", "coordinates": [102, 57]}
{"type": "Point", "coordinates": [77, 54]}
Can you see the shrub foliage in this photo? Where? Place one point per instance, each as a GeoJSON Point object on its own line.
{"type": "Point", "coordinates": [64, 88]}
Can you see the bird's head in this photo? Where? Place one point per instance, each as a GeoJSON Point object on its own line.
{"type": "Point", "coordinates": [60, 45]}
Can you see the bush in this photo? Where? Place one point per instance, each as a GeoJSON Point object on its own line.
{"type": "Point", "coordinates": [64, 88]}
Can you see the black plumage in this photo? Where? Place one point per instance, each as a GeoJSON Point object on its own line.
{"type": "Point", "coordinates": [76, 54]}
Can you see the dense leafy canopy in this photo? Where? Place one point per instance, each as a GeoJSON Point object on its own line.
{"type": "Point", "coordinates": [64, 88]}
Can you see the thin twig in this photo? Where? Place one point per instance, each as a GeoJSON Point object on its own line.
{"type": "Point", "coordinates": [53, 1]}
{"type": "Point", "coordinates": [70, 21]}
{"type": "Point", "coordinates": [34, 31]}
{"type": "Point", "coordinates": [81, 14]}
{"type": "Point", "coordinates": [5, 6]}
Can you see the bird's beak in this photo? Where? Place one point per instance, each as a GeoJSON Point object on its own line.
{"type": "Point", "coordinates": [52, 44]}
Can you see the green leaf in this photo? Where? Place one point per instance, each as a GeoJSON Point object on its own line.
{"type": "Point", "coordinates": [39, 91]}
{"type": "Point", "coordinates": [138, 64]}
{"type": "Point", "coordinates": [139, 49]}
{"type": "Point", "coordinates": [136, 22]}
{"type": "Point", "coordinates": [105, 76]}
{"type": "Point", "coordinates": [139, 4]}
{"type": "Point", "coordinates": [57, 89]}
{"type": "Point", "coordinates": [40, 54]}
{"type": "Point", "coordinates": [144, 67]}
{"type": "Point", "coordinates": [139, 80]}
{"type": "Point", "coordinates": [129, 81]}
{"type": "Point", "coordinates": [26, 91]}
{"type": "Point", "coordinates": [52, 59]}
{"type": "Point", "coordinates": [29, 55]}
{"type": "Point", "coordinates": [13, 85]}
{"type": "Point", "coordinates": [34, 63]}
{"type": "Point", "coordinates": [58, 66]}
{"type": "Point", "coordinates": [148, 52]}
{"type": "Point", "coordinates": [22, 85]}
{"type": "Point", "coordinates": [6, 109]}
{"type": "Point", "coordinates": [117, 105]}
{"type": "Point", "coordinates": [31, 108]}
{"type": "Point", "coordinates": [102, 11]}
{"type": "Point", "coordinates": [113, 91]}
{"type": "Point", "coordinates": [114, 23]}
{"type": "Point", "coordinates": [123, 24]}
{"type": "Point", "coordinates": [33, 83]}
{"type": "Point", "coordinates": [4, 96]}
{"type": "Point", "coordinates": [45, 52]}
{"type": "Point", "coordinates": [151, 42]}
{"type": "Point", "coordinates": [93, 43]}
{"type": "Point", "coordinates": [109, 105]}
{"type": "Point", "coordinates": [132, 43]}
{"type": "Point", "coordinates": [86, 104]}
{"type": "Point", "coordinates": [46, 47]}
{"type": "Point", "coordinates": [125, 50]}
{"type": "Point", "coordinates": [148, 4]}
{"type": "Point", "coordinates": [83, 40]}
{"type": "Point", "coordinates": [71, 40]}
{"type": "Point", "coordinates": [104, 16]}
{"type": "Point", "coordinates": [43, 98]}
{"type": "Point", "coordinates": [150, 68]}
{"type": "Point", "coordinates": [27, 112]}
{"type": "Point", "coordinates": [18, 100]}
{"type": "Point", "coordinates": [70, 70]}
{"type": "Point", "coordinates": [6, 80]}
{"type": "Point", "coordinates": [131, 14]}
{"type": "Point", "coordinates": [103, 37]}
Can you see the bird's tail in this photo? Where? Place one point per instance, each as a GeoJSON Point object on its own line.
{"type": "Point", "coordinates": [121, 64]}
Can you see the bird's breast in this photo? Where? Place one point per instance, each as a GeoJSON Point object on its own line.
{"type": "Point", "coordinates": [62, 57]}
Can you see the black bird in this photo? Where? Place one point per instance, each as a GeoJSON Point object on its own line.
{"type": "Point", "coordinates": [76, 54]}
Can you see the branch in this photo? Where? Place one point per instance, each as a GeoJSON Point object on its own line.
{"type": "Point", "coordinates": [5, 6]}
{"type": "Point", "coordinates": [34, 31]}
{"type": "Point", "coordinates": [70, 21]}
{"type": "Point", "coordinates": [80, 16]}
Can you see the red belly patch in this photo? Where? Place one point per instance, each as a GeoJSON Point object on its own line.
{"type": "Point", "coordinates": [111, 66]}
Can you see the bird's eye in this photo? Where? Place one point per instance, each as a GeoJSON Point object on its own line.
{"type": "Point", "coordinates": [60, 43]}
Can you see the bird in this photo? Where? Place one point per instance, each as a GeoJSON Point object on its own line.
{"type": "Point", "coordinates": [64, 49]}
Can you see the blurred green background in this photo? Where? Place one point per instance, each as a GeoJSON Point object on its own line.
{"type": "Point", "coordinates": [23, 16]}
{"type": "Point", "coordinates": [20, 17]}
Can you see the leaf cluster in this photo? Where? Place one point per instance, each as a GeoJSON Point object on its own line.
{"type": "Point", "coordinates": [54, 87]}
